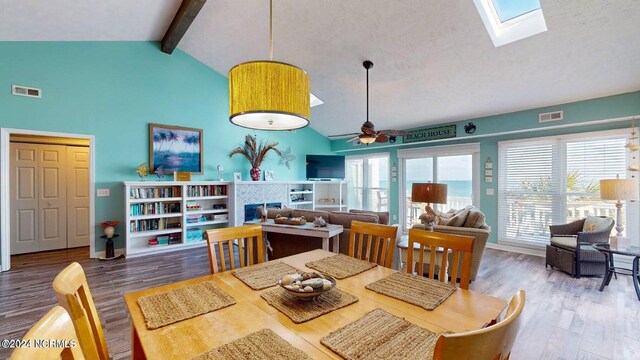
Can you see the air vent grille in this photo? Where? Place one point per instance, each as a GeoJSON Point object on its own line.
{"type": "Point", "coordinates": [551, 116]}
{"type": "Point", "coordinates": [26, 91]}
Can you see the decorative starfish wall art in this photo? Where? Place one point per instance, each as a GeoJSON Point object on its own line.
{"type": "Point", "coordinates": [286, 157]}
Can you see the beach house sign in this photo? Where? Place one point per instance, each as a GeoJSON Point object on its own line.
{"type": "Point", "coordinates": [431, 133]}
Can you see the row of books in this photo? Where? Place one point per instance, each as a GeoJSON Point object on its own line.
{"type": "Point", "coordinates": [151, 224]}
{"type": "Point", "coordinates": [154, 208]}
{"type": "Point", "coordinates": [155, 192]}
{"type": "Point", "coordinates": [206, 190]}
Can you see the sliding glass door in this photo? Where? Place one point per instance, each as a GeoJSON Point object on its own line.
{"type": "Point", "coordinates": [368, 177]}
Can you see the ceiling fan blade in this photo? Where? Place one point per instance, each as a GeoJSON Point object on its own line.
{"type": "Point", "coordinates": [353, 139]}
{"type": "Point", "coordinates": [382, 138]}
{"type": "Point", "coordinates": [342, 135]}
{"type": "Point", "coordinates": [395, 132]}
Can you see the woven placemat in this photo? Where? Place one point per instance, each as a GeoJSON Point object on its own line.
{"type": "Point", "coordinates": [260, 345]}
{"type": "Point", "coordinates": [416, 290]}
{"type": "Point", "coordinates": [183, 303]}
{"type": "Point", "coordinates": [341, 266]}
{"type": "Point", "coordinates": [264, 275]}
{"type": "Point", "coordinates": [300, 311]}
{"type": "Point", "coordinates": [381, 335]}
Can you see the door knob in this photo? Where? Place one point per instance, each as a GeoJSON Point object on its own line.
{"type": "Point", "coordinates": [49, 203]}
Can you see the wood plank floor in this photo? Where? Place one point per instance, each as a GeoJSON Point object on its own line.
{"type": "Point", "coordinates": [564, 318]}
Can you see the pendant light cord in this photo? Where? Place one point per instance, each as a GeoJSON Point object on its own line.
{"type": "Point", "coordinates": [271, 30]}
{"type": "Point", "coordinates": [367, 94]}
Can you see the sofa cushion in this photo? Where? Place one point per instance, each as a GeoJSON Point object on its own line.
{"type": "Point", "coordinates": [310, 215]}
{"type": "Point", "coordinates": [596, 223]}
{"type": "Point", "coordinates": [345, 218]}
{"type": "Point", "coordinates": [457, 219]}
{"type": "Point", "coordinates": [567, 242]}
{"type": "Point", "coordinates": [383, 216]}
{"type": "Point", "coordinates": [475, 219]}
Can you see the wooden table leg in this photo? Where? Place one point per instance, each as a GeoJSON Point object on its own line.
{"type": "Point", "coordinates": [336, 244]}
{"type": "Point", "coordinates": [136, 348]}
{"type": "Point", "coordinates": [325, 243]}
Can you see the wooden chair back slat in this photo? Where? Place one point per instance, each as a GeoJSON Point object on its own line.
{"type": "Point", "coordinates": [55, 325]}
{"type": "Point", "coordinates": [460, 246]}
{"type": "Point", "coordinates": [72, 291]}
{"type": "Point", "coordinates": [493, 342]}
{"type": "Point", "coordinates": [380, 242]}
{"type": "Point", "coordinates": [244, 237]}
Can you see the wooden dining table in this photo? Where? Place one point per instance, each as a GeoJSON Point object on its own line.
{"type": "Point", "coordinates": [463, 310]}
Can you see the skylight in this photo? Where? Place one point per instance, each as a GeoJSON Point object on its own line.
{"type": "Point", "coordinates": [510, 9]}
{"type": "Point", "coordinates": [510, 20]}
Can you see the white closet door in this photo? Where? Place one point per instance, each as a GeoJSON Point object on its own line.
{"type": "Point", "coordinates": [77, 196]}
{"type": "Point", "coordinates": [52, 197]}
{"type": "Point", "coordinates": [24, 198]}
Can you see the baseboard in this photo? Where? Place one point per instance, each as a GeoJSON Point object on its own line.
{"type": "Point", "coordinates": [101, 254]}
{"type": "Point", "coordinates": [516, 249]}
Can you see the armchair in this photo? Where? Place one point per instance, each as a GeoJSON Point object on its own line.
{"type": "Point", "coordinates": [570, 247]}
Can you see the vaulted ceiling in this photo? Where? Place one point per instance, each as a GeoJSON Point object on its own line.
{"type": "Point", "coordinates": [434, 61]}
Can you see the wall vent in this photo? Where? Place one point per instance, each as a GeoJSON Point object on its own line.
{"type": "Point", "coordinates": [26, 91]}
{"type": "Point", "coordinates": [551, 116]}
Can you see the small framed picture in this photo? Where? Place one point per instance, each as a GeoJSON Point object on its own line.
{"type": "Point", "coordinates": [488, 179]}
{"type": "Point", "coordinates": [488, 173]}
{"type": "Point", "coordinates": [237, 176]}
{"type": "Point", "coordinates": [268, 175]}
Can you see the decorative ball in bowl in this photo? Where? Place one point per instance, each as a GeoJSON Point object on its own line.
{"type": "Point", "coordinates": [307, 285]}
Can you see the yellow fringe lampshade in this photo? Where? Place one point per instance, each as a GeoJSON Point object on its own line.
{"type": "Point", "coordinates": [269, 95]}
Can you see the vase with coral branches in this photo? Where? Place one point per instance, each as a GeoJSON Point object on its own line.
{"type": "Point", "coordinates": [255, 153]}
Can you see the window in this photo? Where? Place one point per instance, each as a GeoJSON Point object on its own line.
{"type": "Point", "coordinates": [507, 21]}
{"type": "Point", "coordinates": [452, 165]}
{"type": "Point", "coordinates": [554, 181]}
{"type": "Point", "coordinates": [368, 178]}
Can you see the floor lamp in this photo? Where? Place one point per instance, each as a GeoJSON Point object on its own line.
{"type": "Point", "coordinates": [619, 190]}
{"type": "Point", "coordinates": [430, 193]}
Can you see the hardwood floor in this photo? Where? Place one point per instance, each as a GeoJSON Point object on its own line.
{"type": "Point", "coordinates": [564, 318]}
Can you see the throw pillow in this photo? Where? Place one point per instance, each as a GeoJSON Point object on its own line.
{"type": "Point", "coordinates": [475, 219]}
{"type": "Point", "coordinates": [457, 219]}
{"type": "Point", "coordinates": [596, 223]}
{"type": "Point", "coordinates": [443, 218]}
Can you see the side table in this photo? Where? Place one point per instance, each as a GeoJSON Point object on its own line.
{"type": "Point", "coordinates": [609, 250]}
{"type": "Point", "coordinates": [109, 249]}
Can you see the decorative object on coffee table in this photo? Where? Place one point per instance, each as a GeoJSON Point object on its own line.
{"type": "Point", "coordinates": [429, 193]}
{"type": "Point", "coordinates": [319, 222]}
{"type": "Point", "coordinates": [109, 234]}
{"type": "Point", "coordinates": [619, 189]}
{"type": "Point", "coordinates": [255, 153]}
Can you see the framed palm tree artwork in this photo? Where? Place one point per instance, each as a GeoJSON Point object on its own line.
{"type": "Point", "coordinates": [175, 148]}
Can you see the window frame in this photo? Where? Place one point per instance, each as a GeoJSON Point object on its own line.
{"type": "Point", "coordinates": [365, 174]}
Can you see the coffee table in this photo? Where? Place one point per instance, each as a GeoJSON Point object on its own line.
{"type": "Point", "coordinates": [609, 250]}
{"type": "Point", "coordinates": [330, 231]}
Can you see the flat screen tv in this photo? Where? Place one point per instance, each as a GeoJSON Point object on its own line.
{"type": "Point", "coordinates": [325, 167]}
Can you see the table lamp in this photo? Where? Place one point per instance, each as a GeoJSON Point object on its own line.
{"type": "Point", "coordinates": [619, 189]}
{"type": "Point", "coordinates": [430, 193]}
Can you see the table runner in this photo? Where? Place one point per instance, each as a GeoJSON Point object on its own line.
{"type": "Point", "coordinates": [184, 303]}
{"type": "Point", "coordinates": [341, 266]}
{"type": "Point", "coordinates": [260, 345]}
{"type": "Point", "coordinates": [300, 311]}
{"type": "Point", "coordinates": [381, 335]}
{"type": "Point", "coordinates": [417, 290]}
{"type": "Point", "coordinates": [264, 275]}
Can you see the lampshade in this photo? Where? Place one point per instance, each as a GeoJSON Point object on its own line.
{"type": "Point", "coordinates": [269, 95]}
{"type": "Point", "coordinates": [367, 139]}
{"type": "Point", "coordinates": [619, 189]}
{"type": "Point", "coordinates": [429, 193]}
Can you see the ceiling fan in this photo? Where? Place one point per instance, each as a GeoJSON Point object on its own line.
{"type": "Point", "coordinates": [368, 132]}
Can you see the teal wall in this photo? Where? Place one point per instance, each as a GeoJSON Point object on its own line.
{"type": "Point", "coordinates": [575, 113]}
{"type": "Point", "coordinates": [113, 90]}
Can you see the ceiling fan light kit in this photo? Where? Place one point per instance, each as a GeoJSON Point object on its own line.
{"type": "Point", "coordinates": [269, 95]}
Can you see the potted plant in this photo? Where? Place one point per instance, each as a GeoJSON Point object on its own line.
{"type": "Point", "coordinates": [255, 154]}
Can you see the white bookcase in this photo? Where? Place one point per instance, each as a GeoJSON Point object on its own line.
{"type": "Point", "coordinates": [177, 210]}
{"type": "Point", "coordinates": [331, 195]}
{"type": "Point", "coordinates": [301, 194]}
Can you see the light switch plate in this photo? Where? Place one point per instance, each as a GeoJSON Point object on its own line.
{"type": "Point", "coordinates": [489, 191]}
{"type": "Point", "coordinates": [103, 192]}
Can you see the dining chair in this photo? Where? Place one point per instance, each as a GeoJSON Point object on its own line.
{"type": "Point", "coordinates": [491, 343]}
{"type": "Point", "coordinates": [460, 247]}
{"type": "Point", "coordinates": [372, 242]}
{"type": "Point", "coordinates": [245, 235]}
{"type": "Point", "coordinates": [56, 325]}
{"type": "Point", "coordinates": [72, 291]}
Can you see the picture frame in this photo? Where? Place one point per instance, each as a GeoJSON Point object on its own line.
{"type": "Point", "coordinates": [175, 148]}
{"type": "Point", "coordinates": [268, 175]}
{"type": "Point", "coordinates": [237, 176]}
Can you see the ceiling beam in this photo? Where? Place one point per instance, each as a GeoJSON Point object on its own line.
{"type": "Point", "coordinates": [187, 12]}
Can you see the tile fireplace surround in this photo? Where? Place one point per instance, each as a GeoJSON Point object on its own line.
{"type": "Point", "coordinates": [258, 192]}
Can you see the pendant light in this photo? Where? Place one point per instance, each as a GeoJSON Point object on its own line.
{"type": "Point", "coordinates": [267, 94]}
{"type": "Point", "coordinates": [367, 138]}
